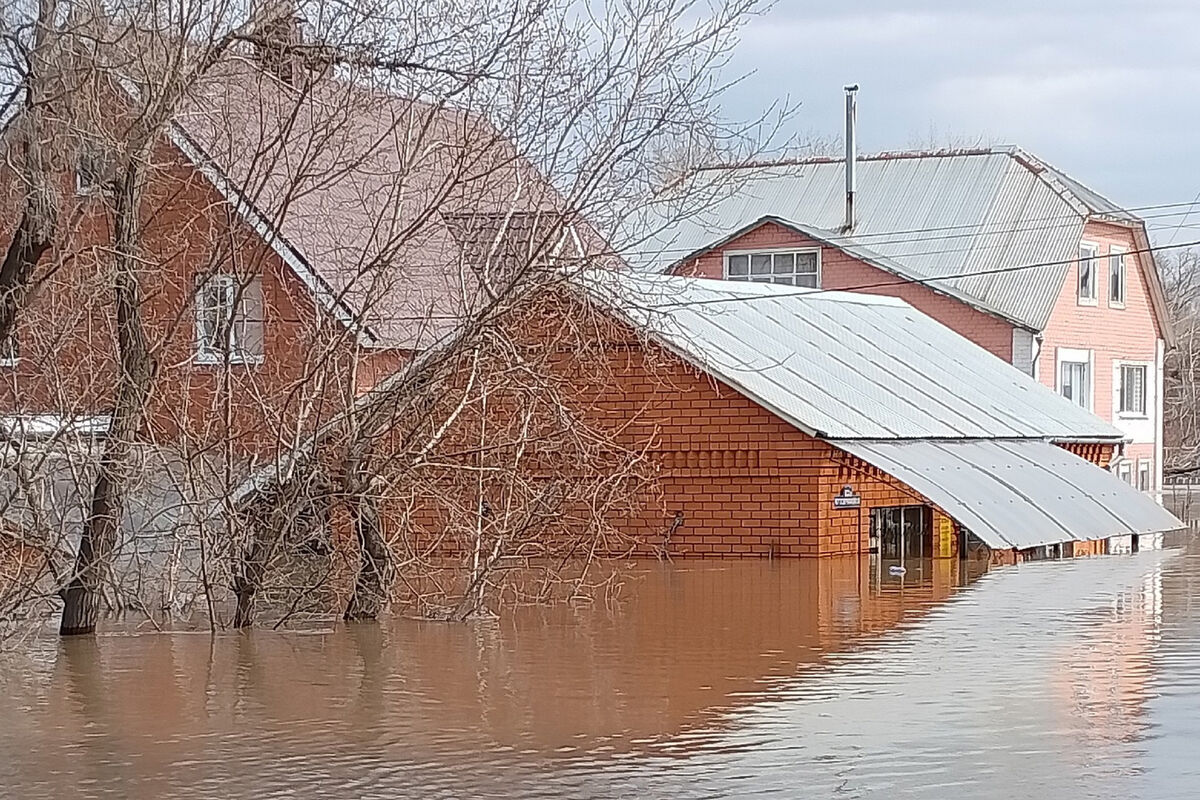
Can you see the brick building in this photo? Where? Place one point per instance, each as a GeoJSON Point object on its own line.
{"type": "Point", "coordinates": [302, 236]}
{"type": "Point", "coordinates": [1007, 250]}
{"type": "Point", "coordinates": [788, 423]}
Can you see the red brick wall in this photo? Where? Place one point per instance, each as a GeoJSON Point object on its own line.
{"type": "Point", "coordinates": [67, 336]}
{"type": "Point", "coordinates": [842, 271]}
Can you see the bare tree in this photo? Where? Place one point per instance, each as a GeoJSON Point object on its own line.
{"type": "Point", "coordinates": [304, 285]}
{"type": "Point", "coordinates": [1180, 272]}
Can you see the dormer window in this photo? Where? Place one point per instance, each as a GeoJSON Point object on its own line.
{"type": "Point", "coordinates": [789, 267]}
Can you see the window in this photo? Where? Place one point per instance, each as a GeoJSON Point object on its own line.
{"type": "Point", "coordinates": [1116, 278]}
{"type": "Point", "coordinates": [1143, 483]}
{"type": "Point", "coordinates": [89, 171]}
{"type": "Point", "coordinates": [10, 350]}
{"type": "Point", "coordinates": [1087, 273]}
{"type": "Point", "coordinates": [1075, 382]}
{"type": "Point", "coordinates": [1132, 390]}
{"type": "Point", "coordinates": [1125, 472]}
{"type": "Point", "coordinates": [229, 320]}
{"type": "Point", "coordinates": [793, 267]}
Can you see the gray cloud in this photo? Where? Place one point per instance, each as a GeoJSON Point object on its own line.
{"type": "Point", "coordinates": [1108, 91]}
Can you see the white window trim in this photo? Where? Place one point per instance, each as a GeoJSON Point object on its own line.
{"type": "Point", "coordinates": [1095, 297]}
{"type": "Point", "coordinates": [5, 361]}
{"type": "Point", "coordinates": [765, 250]}
{"type": "Point", "coordinates": [1144, 464]}
{"type": "Point", "coordinates": [1117, 364]}
{"type": "Point", "coordinates": [1076, 356]}
{"type": "Point", "coordinates": [1125, 471]}
{"type": "Point", "coordinates": [1121, 251]}
{"type": "Point", "coordinates": [210, 357]}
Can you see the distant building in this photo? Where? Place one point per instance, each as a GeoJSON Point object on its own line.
{"type": "Point", "coordinates": [1010, 252]}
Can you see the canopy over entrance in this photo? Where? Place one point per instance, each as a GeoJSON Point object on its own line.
{"type": "Point", "coordinates": [1016, 493]}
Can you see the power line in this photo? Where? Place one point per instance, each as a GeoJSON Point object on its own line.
{"type": "Point", "coordinates": [899, 281]}
{"type": "Point", "coordinates": [971, 230]}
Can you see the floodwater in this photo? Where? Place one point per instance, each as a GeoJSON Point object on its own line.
{"type": "Point", "coordinates": [1072, 679]}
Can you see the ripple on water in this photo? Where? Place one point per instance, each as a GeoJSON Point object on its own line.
{"type": "Point", "coordinates": [1066, 680]}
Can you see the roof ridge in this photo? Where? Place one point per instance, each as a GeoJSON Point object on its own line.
{"type": "Point", "coordinates": [882, 155]}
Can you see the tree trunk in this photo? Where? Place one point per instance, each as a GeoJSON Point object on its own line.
{"type": "Point", "coordinates": [375, 560]}
{"type": "Point", "coordinates": [252, 569]}
{"type": "Point", "coordinates": [100, 530]}
{"type": "Point", "coordinates": [39, 214]}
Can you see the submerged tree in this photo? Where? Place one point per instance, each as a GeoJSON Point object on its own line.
{"type": "Point", "coordinates": [278, 208]}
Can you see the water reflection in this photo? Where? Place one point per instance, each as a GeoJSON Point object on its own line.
{"type": "Point", "coordinates": [704, 679]}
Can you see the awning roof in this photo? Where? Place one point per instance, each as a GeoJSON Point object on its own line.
{"type": "Point", "coordinates": [1017, 493]}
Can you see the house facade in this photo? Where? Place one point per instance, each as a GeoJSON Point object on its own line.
{"type": "Point", "coordinates": [298, 244]}
{"type": "Point", "coordinates": [1011, 253]}
{"type": "Point", "coordinates": [811, 425]}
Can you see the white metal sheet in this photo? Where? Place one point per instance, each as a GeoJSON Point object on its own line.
{"type": "Point", "coordinates": [1017, 494]}
{"type": "Point", "coordinates": [934, 214]}
{"type": "Point", "coordinates": [843, 365]}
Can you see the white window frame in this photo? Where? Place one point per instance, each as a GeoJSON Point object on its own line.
{"type": "Point", "coordinates": [1144, 466]}
{"type": "Point", "coordinates": [82, 188]}
{"type": "Point", "coordinates": [762, 251]}
{"type": "Point", "coordinates": [1080, 297]}
{"type": "Point", "coordinates": [1119, 384]}
{"type": "Point", "coordinates": [7, 360]}
{"type": "Point", "coordinates": [205, 353]}
{"type": "Point", "coordinates": [1123, 254]}
{"type": "Point", "coordinates": [1075, 356]}
{"type": "Point", "coordinates": [1125, 471]}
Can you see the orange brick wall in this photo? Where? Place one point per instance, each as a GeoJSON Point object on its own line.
{"type": "Point", "coordinates": [842, 271]}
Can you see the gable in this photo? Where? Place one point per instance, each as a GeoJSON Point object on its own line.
{"type": "Point", "coordinates": [844, 271]}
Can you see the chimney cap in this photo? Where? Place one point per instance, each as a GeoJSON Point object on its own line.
{"type": "Point", "coordinates": [851, 87]}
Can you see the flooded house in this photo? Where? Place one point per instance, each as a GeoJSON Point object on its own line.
{"type": "Point", "coordinates": [1013, 253]}
{"type": "Point", "coordinates": [790, 422]}
{"type": "Point", "coordinates": [797, 422]}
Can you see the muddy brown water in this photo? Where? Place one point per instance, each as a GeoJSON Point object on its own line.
{"type": "Point", "coordinates": [1075, 679]}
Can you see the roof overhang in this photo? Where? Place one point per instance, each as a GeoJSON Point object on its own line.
{"type": "Point", "coordinates": [1158, 297]}
{"type": "Point", "coordinates": [1016, 493]}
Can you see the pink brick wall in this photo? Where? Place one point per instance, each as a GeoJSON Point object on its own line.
{"type": "Point", "coordinates": [842, 271]}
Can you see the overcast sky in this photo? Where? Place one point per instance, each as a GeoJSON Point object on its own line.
{"type": "Point", "coordinates": [1107, 91]}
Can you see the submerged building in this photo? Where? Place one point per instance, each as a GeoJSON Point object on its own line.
{"type": "Point", "coordinates": [796, 422]}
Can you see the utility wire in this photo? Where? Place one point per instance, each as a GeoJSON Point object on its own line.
{"type": "Point", "coordinates": [900, 281]}
{"type": "Point", "coordinates": [873, 240]}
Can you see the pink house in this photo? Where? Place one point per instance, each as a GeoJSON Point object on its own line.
{"type": "Point", "coordinates": [994, 243]}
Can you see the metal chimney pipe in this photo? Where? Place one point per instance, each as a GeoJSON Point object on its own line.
{"type": "Point", "coordinates": [851, 152]}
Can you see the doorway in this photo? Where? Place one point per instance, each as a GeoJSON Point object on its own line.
{"type": "Point", "coordinates": [902, 532]}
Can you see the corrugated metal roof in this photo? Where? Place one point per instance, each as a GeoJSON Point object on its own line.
{"type": "Point", "coordinates": [936, 214]}
{"type": "Point", "coordinates": [843, 365]}
{"type": "Point", "coordinates": [1017, 493]}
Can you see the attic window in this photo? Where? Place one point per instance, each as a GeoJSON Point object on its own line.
{"type": "Point", "coordinates": [1087, 273]}
{"type": "Point", "coordinates": [89, 172]}
{"type": "Point", "coordinates": [1116, 278]}
{"type": "Point", "coordinates": [10, 351]}
{"type": "Point", "coordinates": [789, 267]}
{"type": "Point", "coordinates": [229, 320]}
